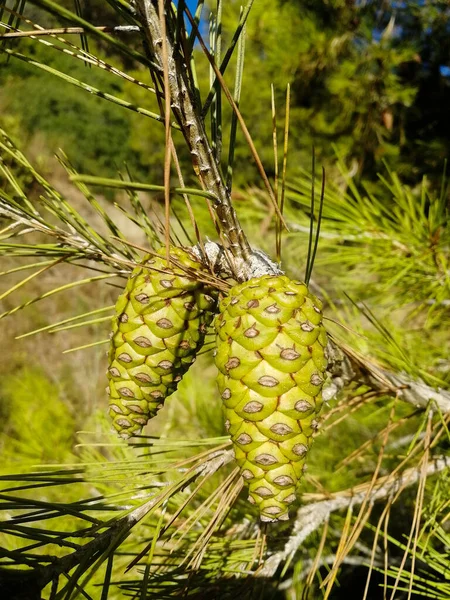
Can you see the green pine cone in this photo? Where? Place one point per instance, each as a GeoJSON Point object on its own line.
{"type": "Point", "coordinates": [271, 361]}
{"type": "Point", "coordinates": [160, 324]}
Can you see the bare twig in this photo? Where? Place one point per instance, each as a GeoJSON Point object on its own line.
{"type": "Point", "coordinates": [188, 117]}
{"type": "Point", "coordinates": [413, 391]}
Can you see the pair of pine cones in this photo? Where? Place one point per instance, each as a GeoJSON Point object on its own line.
{"type": "Point", "coordinates": [270, 353]}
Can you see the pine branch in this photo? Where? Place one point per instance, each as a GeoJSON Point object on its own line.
{"type": "Point", "coordinates": [76, 240]}
{"type": "Point", "coordinates": [413, 391]}
{"type": "Point", "coordinates": [312, 516]}
{"type": "Point", "coordinates": [188, 116]}
{"type": "Point", "coordinates": [417, 392]}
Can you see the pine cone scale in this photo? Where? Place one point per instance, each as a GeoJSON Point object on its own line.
{"type": "Point", "coordinates": [270, 356]}
{"type": "Point", "coordinates": [161, 321]}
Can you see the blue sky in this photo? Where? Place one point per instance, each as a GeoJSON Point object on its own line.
{"type": "Point", "coordinates": [191, 4]}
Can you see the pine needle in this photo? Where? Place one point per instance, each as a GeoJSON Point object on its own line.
{"type": "Point", "coordinates": [61, 288]}
{"type": "Point", "coordinates": [85, 346]}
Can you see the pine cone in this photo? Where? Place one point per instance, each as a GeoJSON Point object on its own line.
{"type": "Point", "coordinates": [160, 324]}
{"type": "Point", "coordinates": [270, 354]}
